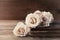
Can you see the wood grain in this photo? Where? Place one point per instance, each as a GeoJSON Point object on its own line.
{"type": "Point", "coordinates": [39, 33]}
{"type": "Point", "coordinates": [18, 9]}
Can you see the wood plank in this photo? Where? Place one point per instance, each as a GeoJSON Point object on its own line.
{"type": "Point", "coordinates": [32, 33]}
{"type": "Point", "coordinates": [18, 9]}
{"type": "Point", "coordinates": [7, 27]}
{"type": "Point", "coordinates": [8, 22]}
{"type": "Point", "coordinates": [42, 33]}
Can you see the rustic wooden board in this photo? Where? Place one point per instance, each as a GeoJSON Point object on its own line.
{"type": "Point", "coordinates": [18, 9]}
{"type": "Point", "coordinates": [39, 33]}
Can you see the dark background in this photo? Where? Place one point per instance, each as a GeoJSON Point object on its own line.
{"type": "Point", "coordinates": [18, 9]}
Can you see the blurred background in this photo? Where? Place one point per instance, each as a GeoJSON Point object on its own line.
{"type": "Point", "coordinates": [18, 9]}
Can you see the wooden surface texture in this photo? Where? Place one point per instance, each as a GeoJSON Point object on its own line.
{"type": "Point", "coordinates": [39, 33]}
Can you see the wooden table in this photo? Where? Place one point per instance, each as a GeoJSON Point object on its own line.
{"type": "Point", "coordinates": [43, 33]}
